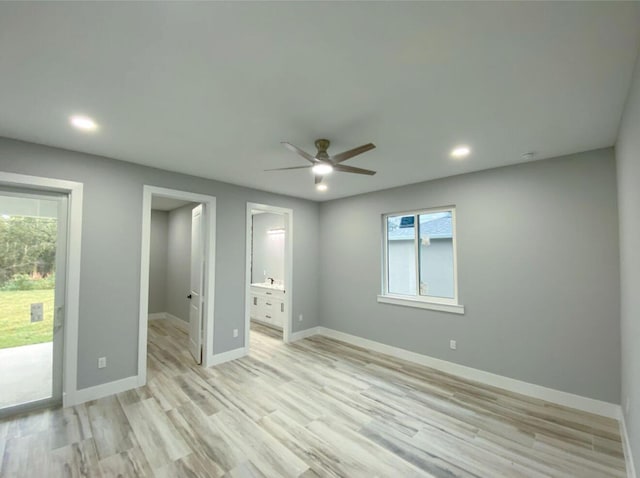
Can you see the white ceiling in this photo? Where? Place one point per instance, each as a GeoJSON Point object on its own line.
{"type": "Point", "coordinates": [211, 89]}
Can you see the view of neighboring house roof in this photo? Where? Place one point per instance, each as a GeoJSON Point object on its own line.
{"type": "Point", "coordinates": [438, 228]}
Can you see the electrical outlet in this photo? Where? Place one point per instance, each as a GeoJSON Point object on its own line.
{"type": "Point", "coordinates": [235, 332]}
{"type": "Point", "coordinates": [300, 318]}
{"type": "Point", "coordinates": [37, 312]}
{"type": "Point", "coordinates": [453, 345]}
{"type": "Point", "coordinates": [102, 362]}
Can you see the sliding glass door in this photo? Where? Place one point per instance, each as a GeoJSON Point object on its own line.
{"type": "Point", "coordinates": [33, 242]}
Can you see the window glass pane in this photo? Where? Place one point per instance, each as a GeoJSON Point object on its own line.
{"type": "Point", "coordinates": [401, 255]}
{"type": "Point", "coordinates": [436, 255]}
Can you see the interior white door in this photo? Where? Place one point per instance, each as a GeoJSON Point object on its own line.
{"type": "Point", "coordinates": [197, 280]}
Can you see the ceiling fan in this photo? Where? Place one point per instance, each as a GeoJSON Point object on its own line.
{"type": "Point", "coordinates": [322, 164]}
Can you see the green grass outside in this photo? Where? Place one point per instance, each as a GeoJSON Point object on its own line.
{"type": "Point", "coordinates": [16, 328]}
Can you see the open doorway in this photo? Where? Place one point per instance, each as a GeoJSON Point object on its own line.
{"type": "Point", "coordinates": [269, 272]}
{"type": "Point", "coordinates": [177, 279]}
{"type": "Point", "coordinates": [33, 251]}
{"type": "Point", "coordinates": [176, 256]}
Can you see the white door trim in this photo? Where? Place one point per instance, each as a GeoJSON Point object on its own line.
{"type": "Point", "coordinates": [288, 269]}
{"type": "Point", "coordinates": [209, 280]}
{"type": "Point", "coordinates": [74, 249]}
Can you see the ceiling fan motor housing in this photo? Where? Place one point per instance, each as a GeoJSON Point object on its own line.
{"type": "Point", "coordinates": [322, 145]}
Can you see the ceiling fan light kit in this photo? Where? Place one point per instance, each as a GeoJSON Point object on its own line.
{"type": "Point", "coordinates": [322, 169]}
{"type": "Point", "coordinates": [322, 163]}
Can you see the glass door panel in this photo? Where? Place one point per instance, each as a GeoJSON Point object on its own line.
{"type": "Point", "coordinates": [32, 272]}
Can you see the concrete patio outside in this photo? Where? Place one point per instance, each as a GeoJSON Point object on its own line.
{"type": "Point", "coordinates": [25, 374]}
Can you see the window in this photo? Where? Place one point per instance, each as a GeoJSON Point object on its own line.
{"type": "Point", "coordinates": [420, 260]}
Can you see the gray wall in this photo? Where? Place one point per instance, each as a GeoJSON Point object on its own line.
{"type": "Point", "coordinates": [537, 251]}
{"type": "Point", "coordinates": [110, 268]}
{"type": "Point", "coordinates": [158, 262]}
{"type": "Point", "coordinates": [267, 255]}
{"type": "Point", "coordinates": [538, 273]}
{"type": "Point", "coordinates": [179, 261]}
{"type": "Point", "coordinates": [628, 162]}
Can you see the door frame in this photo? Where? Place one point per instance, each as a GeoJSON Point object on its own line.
{"type": "Point", "coordinates": [209, 203]}
{"type": "Point", "coordinates": [74, 191]}
{"type": "Point", "coordinates": [288, 269]}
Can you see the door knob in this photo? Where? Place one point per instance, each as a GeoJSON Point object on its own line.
{"type": "Point", "coordinates": [189, 296]}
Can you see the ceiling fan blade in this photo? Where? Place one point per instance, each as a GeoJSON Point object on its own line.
{"type": "Point", "coordinates": [350, 169]}
{"type": "Point", "coordinates": [293, 167]}
{"type": "Point", "coordinates": [297, 150]}
{"type": "Point", "coordinates": [318, 179]}
{"type": "Point", "coordinates": [338, 158]}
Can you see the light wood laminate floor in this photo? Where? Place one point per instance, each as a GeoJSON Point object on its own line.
{"type": "Point", "coordinates": [317, 407]}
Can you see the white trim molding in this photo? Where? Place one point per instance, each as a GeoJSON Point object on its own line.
{"type": "Point", "coordinates": [72, 288]}
{"type": "Point", "coordinates": [626, 446]}
{"type": "Point", "coordinates": [209, 203]}
{"type": "Point", "coordinates": [288, 268]}
{"type": "Point", "coordinates": [303, 334]}
{"type": "Point", "coordinates": [234, 354]}
{"type": "Point", "coordinates": [104, 390]}
{"type": "Point", "coordinates": [571, 400]}
{"type": "Point", "coordinates": [421, 304]}
{"type": "Point", "coordinates": [157, 316]}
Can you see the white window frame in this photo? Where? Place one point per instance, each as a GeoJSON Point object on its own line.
{"type": "Point", "coordinates": [442, 304]}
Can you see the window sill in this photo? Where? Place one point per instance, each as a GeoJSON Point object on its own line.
{"type": "Point", "coordinates": [421, 304]}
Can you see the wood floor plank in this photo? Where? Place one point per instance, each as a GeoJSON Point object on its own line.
{"type": "Point", "coordinates": [192, 466]}
{"type": "Point", "coordinates": [130, 463]}
{"type": "Point", "coordinates": [269, 455]}
{"type": "Point", "coordinates": [404, 446]}
{"type": "Point", "coordinates": [314, 451]}
{"type": "Point", "coordinates": [367, 457]}
{"type": "Point", "coordinates": [78, 460]}
{"type": "Point", "coordinates": [245, 470]}
{"type": "Point", "coordinates": [315, 408]}
{"type": "Point", "coordinates": [27, 455]}
{"type": "Point", "coordinates": [110, 427]}
{"type": "Point", "coordinates": [156, 435]}
{"type": "Point", "coordinates": [203, 437]}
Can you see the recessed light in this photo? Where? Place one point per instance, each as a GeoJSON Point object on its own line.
{"type": "Point", "coordinates": [460, 152]}
{"type": "Point", "coordinates": [322, 169]}
{"type": "Point", "coordinates": [83, 122]}
{"type": "Point", "coordinates": [321, 187]}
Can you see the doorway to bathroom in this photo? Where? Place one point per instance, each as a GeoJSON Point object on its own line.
{"type": "Point", "coordinates": [269, 272]}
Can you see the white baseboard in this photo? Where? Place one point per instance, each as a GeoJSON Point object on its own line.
{"type": "Point", "coordinates": [628, 456]}
{"type": "Point", "coordinates": [566, 399]}
{"type": "Point", "coordinates": [157, 316]}
{"type": "Point", "coordinates": [177, 321]}
{"type": "Point", "coordinates": [303, 334]}
{"type": "Point", "coordinates": [223, 357]}
{"type": "Point", "coordinates": [100, 391]}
